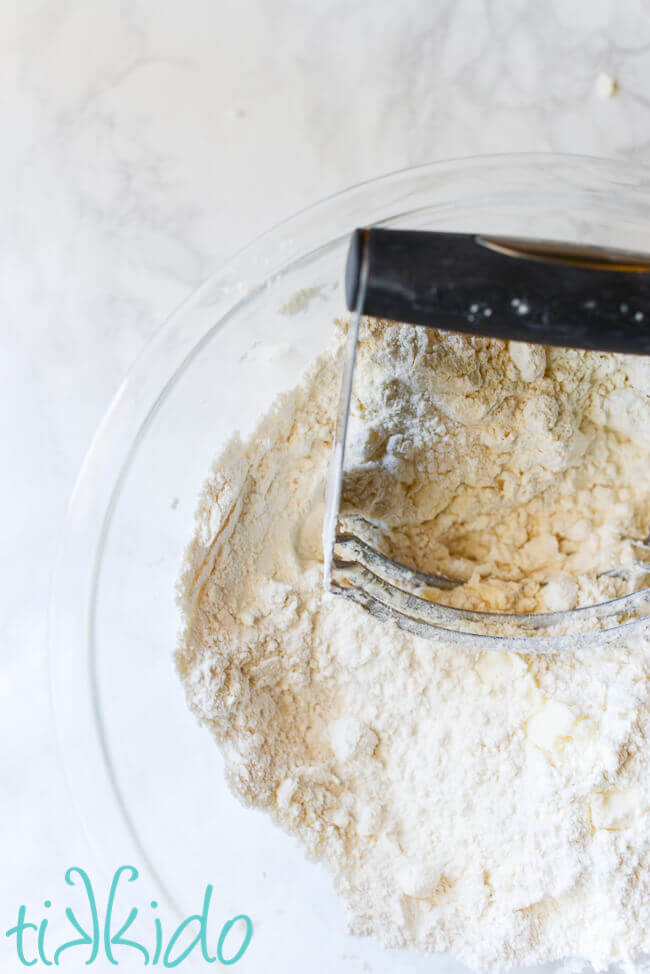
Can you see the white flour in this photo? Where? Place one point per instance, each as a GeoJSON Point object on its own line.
{"type": "Point", "coordinates": [507, 466]}
{"type": "Point", "coordinates": [491, 805]}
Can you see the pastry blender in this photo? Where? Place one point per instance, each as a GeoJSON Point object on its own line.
{"type": "Point", "coordinates": [525, 290]}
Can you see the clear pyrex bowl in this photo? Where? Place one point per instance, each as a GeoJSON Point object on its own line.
{"type": "Point", "coordinates": [146, 779]}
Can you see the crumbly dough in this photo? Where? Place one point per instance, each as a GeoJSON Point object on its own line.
{"type": "Point", "coordinates": [489, 804]}
{"type": "Point", "coordinates": [517, 469]}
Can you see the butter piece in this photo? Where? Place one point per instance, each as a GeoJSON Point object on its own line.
{"type": "Point", "coordinates": [551, 726]}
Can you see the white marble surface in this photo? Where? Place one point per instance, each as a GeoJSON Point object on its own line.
{"type": "Point", "coordinates": [145, 140]}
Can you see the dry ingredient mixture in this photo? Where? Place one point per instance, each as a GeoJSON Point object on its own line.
{"type": "Point", "coordinates": [517, 469]}
{"type": "Point", "coordinates": [493, 805]}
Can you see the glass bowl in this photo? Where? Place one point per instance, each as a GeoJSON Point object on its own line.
{"type": "Point", "coordinates": [146, 779]}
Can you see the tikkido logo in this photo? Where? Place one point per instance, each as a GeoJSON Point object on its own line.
{"type": "Point", "coordinates": [104, 937]}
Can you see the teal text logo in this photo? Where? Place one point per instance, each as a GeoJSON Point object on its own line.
{"type": "Point", "coordinates": [123, 930]}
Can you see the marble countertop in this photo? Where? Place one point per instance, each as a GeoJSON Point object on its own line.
{"type": "Point", "coordinates": [142, 143]}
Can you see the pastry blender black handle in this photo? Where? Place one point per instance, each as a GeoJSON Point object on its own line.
{"type": "Point", "coordinates": [526, 290]}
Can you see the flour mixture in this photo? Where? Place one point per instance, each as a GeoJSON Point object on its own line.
{"type": "Point", "coordinates": [493, 805]}
{"type": "Point", "coordinates": [518, 469]}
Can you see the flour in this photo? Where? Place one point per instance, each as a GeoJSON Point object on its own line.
{"type": "Point", "coordinates": [508, 466]}
{"type": "Point", "coordinates": [493, 805]}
